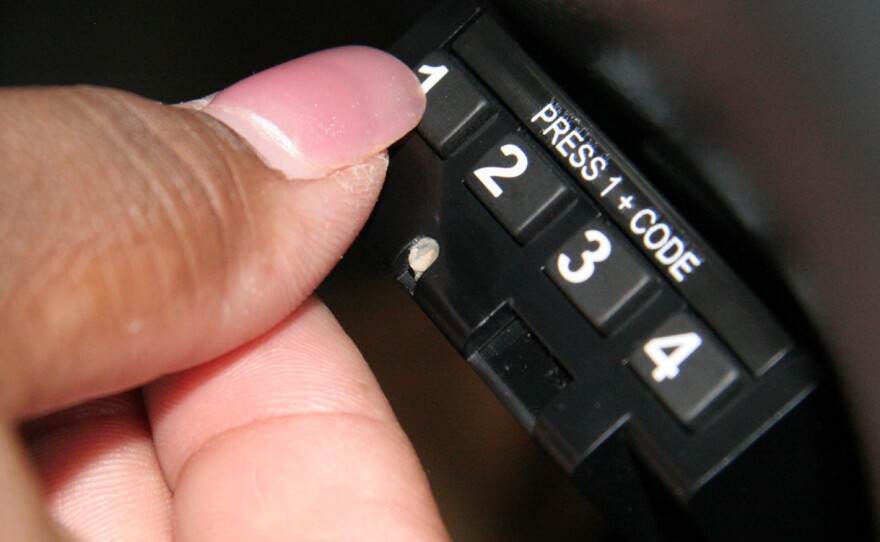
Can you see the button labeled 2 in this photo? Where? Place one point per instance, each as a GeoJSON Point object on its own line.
{"type": "Point", "coordinates": [598, 272]}
{"type": "Point", "coordinates": [519, 187]}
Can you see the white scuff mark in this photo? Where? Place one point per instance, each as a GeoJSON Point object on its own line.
{"type": "Point", "coordinates": [422, 255]}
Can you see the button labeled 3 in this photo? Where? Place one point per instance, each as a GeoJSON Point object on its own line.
{"type": "Point", "coordinates": [589, 258]}
{"type": "Point", "coordinates": [598, 272]}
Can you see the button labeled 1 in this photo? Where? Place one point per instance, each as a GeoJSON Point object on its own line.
{"type": "Point", "coordinates": [519, 187]}
{"type": "Point", "coordinates": [685, 366]}
{"type": "Point", "coordinates": [455, 108]}
{"type": "Point", "coordinates": [599, 274]}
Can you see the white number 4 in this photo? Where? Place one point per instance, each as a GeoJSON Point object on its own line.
{"type": "Point", "coordinates": [668, 353]}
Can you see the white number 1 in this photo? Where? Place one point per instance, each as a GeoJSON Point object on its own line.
{"type": "Point", "coordinates": [668, 353]}
{"type": "Point", "coordinates": [434, 73]}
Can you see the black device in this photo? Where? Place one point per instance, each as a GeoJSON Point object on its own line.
{"type": "Point", "coordinates": [679, 403]}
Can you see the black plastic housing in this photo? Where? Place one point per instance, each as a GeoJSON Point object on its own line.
{"type": "Point", "coordinates": [750, 464]}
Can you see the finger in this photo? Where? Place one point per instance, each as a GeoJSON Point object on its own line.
{"type": "Point", "coordinates": [21, 511]}
{"type": "Point", "coordinates": [289, 438]}
{"type": "Point", "coordinates": [138, 239]}
{"type": "Point", "coordinates": [100, 476]}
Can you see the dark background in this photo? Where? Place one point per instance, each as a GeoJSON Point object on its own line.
{"type": "Point", "coordinates": [492, 483]}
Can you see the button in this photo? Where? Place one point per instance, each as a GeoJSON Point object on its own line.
{"type": "Point", "coordinates": [685, 366]}
{"type": "Point", "coordinates": [455, 108]}
{"type": "Point", "coordinates": [519, 187]}
{"type": "Point", "coordinates": [597, 270]}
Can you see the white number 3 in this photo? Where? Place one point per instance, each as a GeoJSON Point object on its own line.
{"type": "Point", "coordinates": [589, 258]}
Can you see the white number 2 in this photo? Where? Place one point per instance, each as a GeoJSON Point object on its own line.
{"type": "Point", "coordinates": [434, 73]}
{"type": "Point", "coordinates": [589, 258]}
{"type": "Point", "coordinates": [668, 353]}
{"type": "Point", "coordinates": [488, 174]}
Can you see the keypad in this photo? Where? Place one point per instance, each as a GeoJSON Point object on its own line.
{"type": "Point", "coordinates": [624, 247]}
{"type": "Point", "coordinates": [628, 200]}
{"type": "Point", "coordinates": [598, 268]}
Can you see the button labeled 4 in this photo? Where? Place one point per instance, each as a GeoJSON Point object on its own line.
{"type": "Point", "coordinates": [686, 366]}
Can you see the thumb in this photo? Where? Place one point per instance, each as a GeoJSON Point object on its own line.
{"type": "Point", "coordinates": [138, 239]}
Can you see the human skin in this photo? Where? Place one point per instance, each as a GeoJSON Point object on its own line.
{"type": "Point", "coordinates": [166, 372]}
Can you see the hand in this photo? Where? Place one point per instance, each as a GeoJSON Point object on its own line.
{"type": "Point", "coordinates": [159, 343]}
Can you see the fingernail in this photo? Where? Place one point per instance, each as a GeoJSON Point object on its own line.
{"type": "Point", "coordinates": [313, 115]}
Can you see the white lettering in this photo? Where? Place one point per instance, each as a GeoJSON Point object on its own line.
{"type": "Point", "coordinates": [434, 73]}
{"type": "Point", "coordinates": [670, 252]}
{"type": "Point", "coordinates": [567, 144]}
{"type": "Point", "coordinates": [584, 153]}
{"type": "Point", "coordinates": [548, 114]}
{"type": "Point", "coordinates": [614, 181]}
{"type": "Point", "coordinates": [560, 127]}
{"type": "Point", "coordinates": [636, 227]}
{"type": "Point", "coordinates": [562, 133]}
{"type": "Point", "coordinates": [668, 249]}
{"type": "Point", "coordinates": [684, 266]}
{"type": "Point", "coordinates": [651, 241]}
{"type": "Point", "coordinates": [597, 165]}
